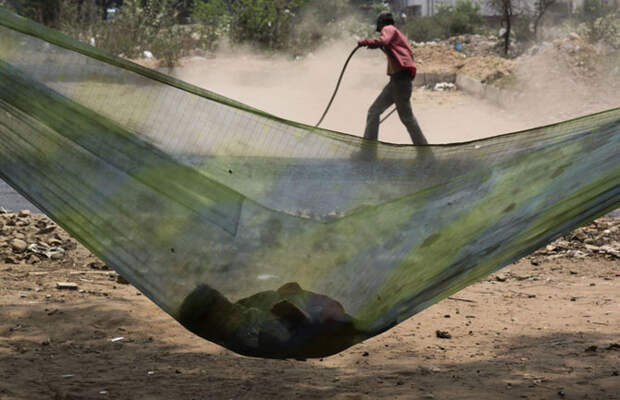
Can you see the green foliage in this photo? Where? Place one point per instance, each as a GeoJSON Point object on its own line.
{"type": "Point", "coordinates": [378, 8]}
{"type": "Point", "coordinates": [264, 23]}
{"type": "Point", "coordinates": [424, 29]}
{"type": "Point", "coordinates": [462, 18]}
{"type": "Point", "coordinates": [591, 10]}
{"type": "Point", "coordinates": [214, 21]}
{"type": "Point", "coordinates": [42, 11]}
{"type": "Point", "coordinates": [604, 29]}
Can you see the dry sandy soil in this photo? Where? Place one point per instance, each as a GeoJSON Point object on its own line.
{"type": "Point", "coordinates": [546, 327]}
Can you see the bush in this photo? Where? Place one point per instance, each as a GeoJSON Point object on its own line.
{"type": "Point", "coordinates": [424, 29]}
{"type": "Point", "coordinates": [604, 29]}
{"type": "Point", "coordinates": [214, 21]}
{"type": "Point", "coordinates": [264, 23]}
{"type": "Point", "coordinates": [591, 10]}
{"type": "Point", "coordinates": [460, 19]}
{"type": "Point", "coordinates": [42, 11]}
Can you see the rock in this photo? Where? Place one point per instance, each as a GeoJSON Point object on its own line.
{"type": "Point", "coordinates": [33, 259]}
{"type": "Point", "coordinates": [610, 250]}
{"type": "Point", "coordinates": [24, 214]}
{"type": "Point", "coordinates": [18, 245]}
{"type": "Point", "coordinates": [66, 286]}
{"type": "Point", "coordinates": [46, 230]}
{"type": "Point", "coordinates": [443, 334]}
{"type": "Point", "coordinates": [54, 242]}
{"type": "Point", "coordinates": [121, 280]}
{"type": "Point", "coordinates": [10, 260]}
{"type": "Point", "coordinates": [98, 265]}
{"type": "Point", "coordinates": [501, 278]}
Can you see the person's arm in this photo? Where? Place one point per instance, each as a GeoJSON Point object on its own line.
{"type": "Point", "coordinates": [387, 34]}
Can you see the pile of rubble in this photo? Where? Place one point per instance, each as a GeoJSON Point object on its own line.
{"type": "Point", "coordinates": [573, 53]}
{"type": "Point", "coordinates": [30, 238]}
{"type": "Point", "coordinates": [600, 238]}
{"type": "Point", "coordinates": [437, 58]}
{"type": "Point", "coordinates": [475, 45]}
{"type": "Point", "coordinates": [475, 59]}
{"type": "Point", "coordinates": [487, 69]}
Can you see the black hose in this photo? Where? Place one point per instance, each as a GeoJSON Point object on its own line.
{"type": "Point", "coordinates": [388, 115]}
{"type": "Point", "coordinates": [338, 87]}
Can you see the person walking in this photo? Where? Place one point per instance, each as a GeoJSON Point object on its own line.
{"type": "Point", "coordinates": [401, 69]}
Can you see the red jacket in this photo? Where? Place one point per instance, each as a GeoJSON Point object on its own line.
{"type": "Point", "coordinates": [396, 47]}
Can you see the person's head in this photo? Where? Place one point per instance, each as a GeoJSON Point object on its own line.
{"type": "Point", "coordinates": [384, 19]}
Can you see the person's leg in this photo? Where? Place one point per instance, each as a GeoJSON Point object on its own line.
{"type": "Point", "coordinates": [402, 88]}
{"type": "Point", "coordinates": [383, 101]}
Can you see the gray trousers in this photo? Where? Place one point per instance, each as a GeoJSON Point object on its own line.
{"type": "Point", "coordinates": [397, 91]}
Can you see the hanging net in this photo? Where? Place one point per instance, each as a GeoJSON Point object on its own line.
{"type": "Point", "coordinates": [269, 237]}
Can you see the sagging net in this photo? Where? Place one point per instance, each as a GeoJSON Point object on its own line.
{"type": "Point", "coordinates": [269, 237]}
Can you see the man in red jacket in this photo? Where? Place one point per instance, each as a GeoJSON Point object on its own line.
{"type": "Point", "coordinates": [401, 70]}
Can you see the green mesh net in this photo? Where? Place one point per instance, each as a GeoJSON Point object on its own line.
{"type": "Point", "coordinates": [269, 237]}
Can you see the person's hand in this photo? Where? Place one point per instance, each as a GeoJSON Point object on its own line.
{"type": "Point", "coordinates": [362, 43]}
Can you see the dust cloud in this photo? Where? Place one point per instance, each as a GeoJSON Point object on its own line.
{"type": "Point", "coordinates": [299, 90]}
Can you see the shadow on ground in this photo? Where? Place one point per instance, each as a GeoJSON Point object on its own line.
{"type": "Point", "coordinates": [65, 352]}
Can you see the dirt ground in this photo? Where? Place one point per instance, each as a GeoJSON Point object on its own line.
{"type": "Point", "coordinates": [546, 327]}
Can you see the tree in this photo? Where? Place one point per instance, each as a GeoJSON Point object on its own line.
{"type": "Point", "coordinates": [540, 8]}
{"type": "Point", "coordinates": [505, 8]}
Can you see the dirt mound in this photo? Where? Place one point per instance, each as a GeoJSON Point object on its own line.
{"type": "Point", "coordinates": [478, 62]}
{"type": "Point", "coordinates": [487, 69]}
{"type": "Point", "coordinates": [437, 58]}
{"type": "Point", "coordinates": [476, 45]}
{"type": "Point", "coordinates": [570, 54]}
{"type": "Point", "coordinates": [565, 78]}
